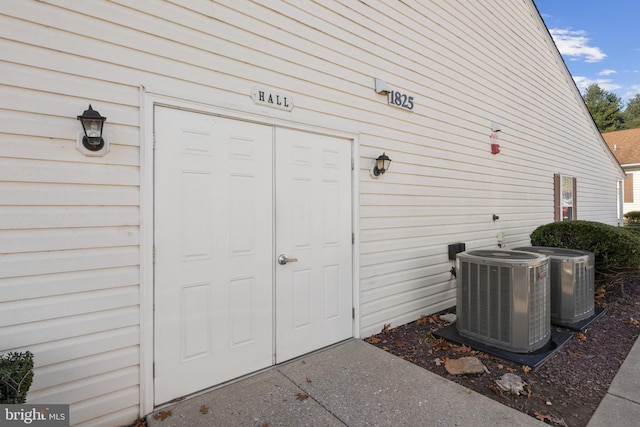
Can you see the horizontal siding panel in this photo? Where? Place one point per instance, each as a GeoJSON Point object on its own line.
{"type": "Point", "coordinates": [22, 217]}
{"type": "Point", "coordinates": [22, 241]}
{"type": "Point", "coordinates": [42, 309]}
{"type": "Point", "coordinates": [86, 367]}
{"type": "Point", "coordinates": [473, 238]}
{"type": "Point", "coordinates": [19, 288]}
{"type": "Point", "coordinates": [406, 270]}
{"type": "Point", "coordinates": [425, 284]}
{"type": "Point", "coordinates": [63, 350]}
{"type": "Point", "coordinates": [55, 194]}
{"type": "Point", "coordinates": [408, 311]}
{"type": "Point", "coordinates": [27, 335]}
{"type": "Point", "coordinates": [16, 265]}
{"type": "Point", "coordinates": [25, 99]}
{"type": "Point", "coordinates": [431, 261]}
{"type": "Point", "coordinates": [401, 292]}
{"type": "Point", "coordinates": [86, 388]}
{"type": "Point", "coordinates": [119, 408]}
{"type": "Point", "coordinates": [83, 86]}
{"type": "Point", "coordinates": [61, 172]}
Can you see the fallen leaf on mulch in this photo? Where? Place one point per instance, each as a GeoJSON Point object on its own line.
{"type": "Point", "coordinates": [581, 336]}
{"type": "Point", "coordinates": [542, 417]}
{"type": "Point", "coordinates": [373, 340]}
{"type": "Point", "coordinates": [162, 415]}
{"type": "Point", "coordinates": [463, 349]}
{"type": "Point", "coordinates": [423, 320]}
{"type": "Point", "coordinates": [495, 389]}
{"type": "Point", "coordinates": [633, 322]}
{"type": "Point", "coordinates": [526, 369]}
{"type": "Point", "coordinates": [302, 396]}
{"type": "Point", "coordinates": [204, 409]}
{"type": "Point", "coordinates": [442, 345]}
{"type": "Point", "coordinates": [385, 328]}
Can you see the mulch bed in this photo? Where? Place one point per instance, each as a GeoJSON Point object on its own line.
{"type": "Point", "coordinates": [566, 389]}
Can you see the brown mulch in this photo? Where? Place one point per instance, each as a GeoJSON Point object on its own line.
{"type": "Point", "coordinates": [566, 389]}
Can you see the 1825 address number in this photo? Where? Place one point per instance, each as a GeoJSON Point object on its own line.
{"type": "Point", "coordinates": [400, 99]}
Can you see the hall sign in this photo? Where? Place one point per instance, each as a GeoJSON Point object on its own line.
{"type": "Point", "coordinates": [272, 99]}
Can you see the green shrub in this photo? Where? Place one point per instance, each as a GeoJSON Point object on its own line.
{"type": "Point", "coordinates": [16, 374]}
{"type": "Point", "coordinates": [633, 217]}
{"type": "Point", "coordinates": [615, 248]}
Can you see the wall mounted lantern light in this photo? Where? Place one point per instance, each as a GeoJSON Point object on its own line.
{"type": "Point", "coordinates": [380, 166]}
{"type": "Point", "coordinates": [91, 142]}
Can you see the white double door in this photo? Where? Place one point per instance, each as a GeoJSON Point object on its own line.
{"type": "Point", "coordinates": [231, 199]}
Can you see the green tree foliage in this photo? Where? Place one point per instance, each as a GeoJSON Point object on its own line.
{"type": "Point", "coordinates": [631, 113]}
{"type": "Point", "coordinates": [605, 108]}
{"type": "Point", "coordinates": [16, 374]}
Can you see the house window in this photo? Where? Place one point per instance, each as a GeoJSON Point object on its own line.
{"type": "Point", "coordinates": [565, 198]}
{"type": "Point", "coordinates": [628, 189]}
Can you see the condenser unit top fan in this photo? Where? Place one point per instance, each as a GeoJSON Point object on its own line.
{"type": "Point", "coordinates": [503, 299]}
{"type": "Point", "coordinates": [502, 254]}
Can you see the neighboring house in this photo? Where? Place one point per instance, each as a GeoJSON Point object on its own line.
{"type": "Point", "coordinates": [625, 145]}
{"type": "Point", "coordinates": [238, 131]}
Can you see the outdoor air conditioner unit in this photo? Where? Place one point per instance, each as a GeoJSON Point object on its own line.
{"type": "Point", "coordinates": [503, 299]}
{"type": "Point", "coordinates": [572, 283]}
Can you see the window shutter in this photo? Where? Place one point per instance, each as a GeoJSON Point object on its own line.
{"type": "Point", "coordinates": [628, 189]}
{"type": "Point", "coordinates": [556, 197]}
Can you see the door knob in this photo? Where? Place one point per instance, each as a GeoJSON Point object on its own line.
{"type": "Point", "coordinates": [283, 259]}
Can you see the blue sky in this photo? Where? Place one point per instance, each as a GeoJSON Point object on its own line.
{"type": "Point", "coordinates": [599, 41]}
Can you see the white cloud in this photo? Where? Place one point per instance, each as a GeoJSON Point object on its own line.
{"type": "Point", "coordinates": [575, 44]}
{"type": "Point", "coordinates": [632, 92]}
{"type": "Point", "coordinates": [584, 82]}
{"type": "Point", "coordinates": [607, 72]}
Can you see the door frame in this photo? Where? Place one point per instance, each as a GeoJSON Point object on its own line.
{"type": "Point", "coordinates": [148, 101]}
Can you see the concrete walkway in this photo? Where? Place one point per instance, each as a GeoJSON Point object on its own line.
{"type": "Point", "coordinates": [351, 384]}
{"type": "Point", "coordinates": [356, 384]}
{"type": "Point", "coordinates": [621, 405]}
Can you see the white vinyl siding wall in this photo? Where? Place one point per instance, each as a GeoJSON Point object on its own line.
{"type": "Point", "coordinates": [69, 235]}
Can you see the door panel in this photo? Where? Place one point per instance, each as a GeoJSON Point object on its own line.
{"type": "Point", "coordinates": [213, 240]}
{"type": "Point", "coordinates": [313, 225]}
{"type": "Point", "coordinates": [216, 272]}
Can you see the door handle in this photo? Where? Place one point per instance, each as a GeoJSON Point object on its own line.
{"type": "Point", "coordinates": [283, 259]}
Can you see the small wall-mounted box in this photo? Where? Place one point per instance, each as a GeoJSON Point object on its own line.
{"type": "Point", "coordinates": [456, 248]}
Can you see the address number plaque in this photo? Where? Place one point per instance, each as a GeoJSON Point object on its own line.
{"type": "Point", "coordinates": [399, 99]}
